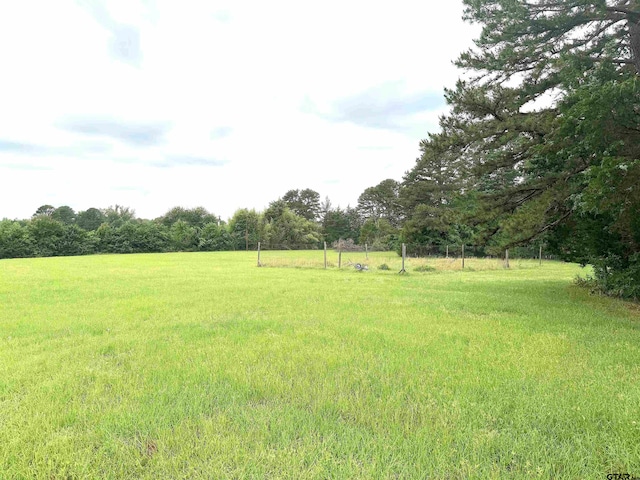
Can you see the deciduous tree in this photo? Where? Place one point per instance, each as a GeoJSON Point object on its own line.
{"type": "Point", "coordinates": [90, 219]}
{"type": "Point", "coordinates": [64, 214]}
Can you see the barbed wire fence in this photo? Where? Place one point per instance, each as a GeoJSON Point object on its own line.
{"type": "Point", "coordinates": [409, 258]}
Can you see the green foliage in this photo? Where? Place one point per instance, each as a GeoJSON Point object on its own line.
{"type": "Point", "coordinates": [119, 239]}
{"type": "Point", "coordinates": [184, 237]}
{"type": "Point", "coordinates": [435, 180]}
{"type": "Point", "coordinates": [56, 232]}
{"type": "Point", "coordinates": [133, 237]}
{"type": "Point", "coordinates": [50, 238]}
{"type": "Point", "coordinates": [244, 228]}
{"type": "Point", "coordinates": [289, 231]}
{"type": "Point", "coordinates": [195, 217]}
{"type": "Point", "coordinates": [543, 137]}
{"type": "Point", "coordinates": [75, 241]}
{"type": "Point", "coordinates": [47, 236]}
{"type": "Point", "coordinates": [90, 219]}
{"type": "Point", "coordinates": [341, 224]}
{"type": "Point", "coordinates": [304, 203]}
{"type": "Point", "coordinates": [275, 210]}
{"type": "Point", "coordinates": [214, 237]}
{"type": "Point", "coordinates": [117, 215]}
{"type": "Point", "coordinates": [335, 225]}
{"type": "Point", "coordinates": [150, 237]}
{"type": "Point", "coordinates": [381, 202]}
{"type": "Point", "coordinates": [104, 238]}
{"type": "Point", "coordinates": [64, 214]}
{"type": "Point", "coordinates": [616, 276]}
{"type": "Point", "coordinates": [430, 226]}
{"type": "Point", "coordinates": [437, 212]}
{"type": "Point", "coordinates": [46, 210]}
{"type": "Point", "coordinates": [379, 235]}
{"type": "Point", "coordinates": [15, 241]}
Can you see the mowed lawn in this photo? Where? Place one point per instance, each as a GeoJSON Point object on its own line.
{"type": "Point", "coordinates": [201, 365]}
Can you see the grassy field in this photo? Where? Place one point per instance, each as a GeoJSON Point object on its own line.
{"type": "Point", "coordinates": [202, 365]}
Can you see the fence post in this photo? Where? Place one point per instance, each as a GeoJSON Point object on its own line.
{"type": "Point", "coordinates": [506, 258]}
{"type": "Point", "coordinates": [540, 254]}
{"type": "Point", "coordinates": [366, 251]}
{"type": "Point", "coordinates": [463, 256]}
{"type": "Point", "coordinates": [325, 255]}
{"type": "Point", "coordinates": [447, 252]}
{"type": "Point", "coordinates": [404, 255]}
{"type": "Point", "coordinates": [259, 264]}
{"type": "Point", "coordinates": [340, 254]}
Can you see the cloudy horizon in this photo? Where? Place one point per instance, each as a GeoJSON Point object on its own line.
{"type": "Point", "coordinates": [155, 104]}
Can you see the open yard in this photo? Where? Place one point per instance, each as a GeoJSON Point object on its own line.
{"type": "Point", "coordinates": [201, 365]}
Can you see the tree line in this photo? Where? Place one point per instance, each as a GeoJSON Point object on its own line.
{"type": "Point", "coordinates": [297, 220]}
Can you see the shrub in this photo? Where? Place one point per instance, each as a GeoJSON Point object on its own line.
{"type": "Point", "coordinates": [47, 235]}
{"type": "Point", "coordinates": [15, 240]}
{"type": "Point", "coordinates": [617, 277]}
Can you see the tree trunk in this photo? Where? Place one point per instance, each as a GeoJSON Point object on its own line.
{"type": "Point", "coordinates": [634, 41]}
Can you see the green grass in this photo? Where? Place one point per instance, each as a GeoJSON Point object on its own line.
{"type": "Point", "coordinates": [204, 366]}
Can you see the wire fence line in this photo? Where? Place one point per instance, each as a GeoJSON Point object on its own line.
{"type": "Point", "coordinates": [420, 258]}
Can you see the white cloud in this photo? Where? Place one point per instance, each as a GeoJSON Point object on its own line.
{"type": "Point", "coordinates": [219, 104]}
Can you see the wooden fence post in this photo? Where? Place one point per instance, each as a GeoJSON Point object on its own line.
{"type": "Point", "coordinates": [259, 264]}
{"type": "Point", "coordinates": [404, 256]}
{"type": "Point", "coordinates": [325, 255]}
{"type": "Point", "coordinates": [540, 255]}
{"type": "Point", "coordinates": [506, 258]}
{"type": "Point", "coordinates": [339, 254]}
{"type": "Point", "coordinates": [447, 252]}
{"type": "Point", "coordinates": [463, 256]}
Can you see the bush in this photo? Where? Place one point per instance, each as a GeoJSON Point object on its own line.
{"type": "Point", "coordinates": [616, 277]}
{"type": "Point", "coordinates": [133, 237]}
{"type": "Point", "coordinates": [589, 283]}
{"type": "Point", "coordinates": [184, 237]}
{"type": "Point", "coordinates": [15, 241]}
{"type": "Point", "coordinates": [214, 237]}
{"type": "Point", "coordinates": [384, 266]}
{"type": "Point", "coordinates": [75, 241]}
{"type": "Point", "coordinates": [47, 235]}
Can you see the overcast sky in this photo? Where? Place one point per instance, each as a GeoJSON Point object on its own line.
{"type": "Point", "coordinates": [153, 104]}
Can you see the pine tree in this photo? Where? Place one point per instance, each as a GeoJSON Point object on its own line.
{"type": "Point", "coordinates": [546, 127]}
